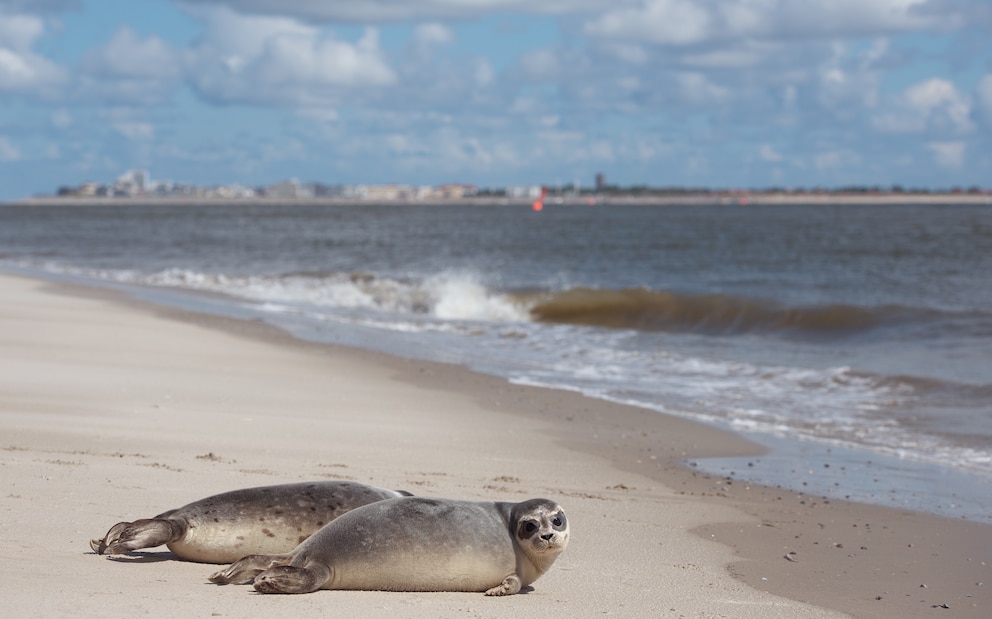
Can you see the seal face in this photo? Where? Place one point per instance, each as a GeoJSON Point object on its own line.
{"type": "Point", "coordinates": [227, 526]}
{"type": "Point", "coordinates": [417, 544]}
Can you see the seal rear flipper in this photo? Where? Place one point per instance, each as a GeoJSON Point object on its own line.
{"type": "Point", "coordinates": [126, 536]}
{"type": "Point", "coordinates": [289, 579]}
{"type": "Point", "coordinates": [244, 570]}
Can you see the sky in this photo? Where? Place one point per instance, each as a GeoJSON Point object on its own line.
{"type": "Point", "coordinates": [689, 93]}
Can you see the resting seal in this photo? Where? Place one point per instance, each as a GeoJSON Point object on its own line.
{"type": "Point", "coordinates": [417, 544]}
{"type": "Point", "coordinates": [224, 527]}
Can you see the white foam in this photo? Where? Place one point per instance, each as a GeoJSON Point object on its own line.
{"type": "Point", "coordinates": [462, 297]}
{"type": "Point", "coordinates": [446, 297]}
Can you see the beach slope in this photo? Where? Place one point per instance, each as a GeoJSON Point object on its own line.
{"type": "Point", "coordinates": [114, 411]}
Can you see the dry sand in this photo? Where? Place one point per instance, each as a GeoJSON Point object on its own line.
{"type": "Point", "coordinates": [110, 411]}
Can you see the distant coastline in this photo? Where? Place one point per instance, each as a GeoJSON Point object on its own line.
{"type": "Point", "coordinates": [724, 198]}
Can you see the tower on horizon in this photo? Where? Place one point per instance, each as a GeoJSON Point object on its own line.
{"type": "Point", "coordinates": [600, 181]}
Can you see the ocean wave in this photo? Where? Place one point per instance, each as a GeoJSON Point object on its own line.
{"type": "Point", "coordinates": [650, 310]}
{"type": "Point", "coordinates": [446, 296]}
{"type": "Point", "coordinates": [463, 296]}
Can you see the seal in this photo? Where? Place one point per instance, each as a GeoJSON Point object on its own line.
{"type": "Point", "coordinates": [225, 527]}
{"type": "Point", "coordinates": [417, 544]}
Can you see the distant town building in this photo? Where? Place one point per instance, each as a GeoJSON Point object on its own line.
{"type": "Point", "coordinates": [288, 189]}
{"type": "Point", "coordinates": [388, 192]}
{"type": "Point", "coordinates": [600, 182]}
{"type": "Point", "coordinates": [456, 191]}
{"type": "Point", "coordinates": [530, 192]}
{"type": "Point", "coordinates": [131, 183]}
{"type": "Point", "coordinates": [230, 192]}
{"type": "Point", "coordinates": [320, 190]}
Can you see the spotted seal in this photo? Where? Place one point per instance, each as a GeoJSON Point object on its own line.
{"type": "Point", "coordinates": [225, 527]}
{"type": "Point", "coordinates": [417, 544]}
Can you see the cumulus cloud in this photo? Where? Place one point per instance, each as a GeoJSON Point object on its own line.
{"type": "Point", "coordinates": [128, 55]}
{"type": "Point", "coordinates": [22, 70]}
{"type": "Point", "coordinates": [848, 80]}
{"type": "Point", "coordinates": [653, 22]}
{"type": "Point", "coordinates": [939, 95]}
{"type": "Point", "coordinates": [675, 22]}
{"type": "Point", "coordinates": [425, 46]}
{"type": "Point", "coordinates": [745, 55]}
{"type": "Point", "coordinates": [323, 115]}
{"type": "Point", "coordinates": [934, 105]}
{"type": "Point", "coordinates": [983, 99]}
{"type": "Point", "coordinates": [631, 53]}
{"type": "Point", "coordinates": [19, 32]}
{"type": "Point", "coordinates": [129, 69]}
{"type": "Point", "coordinates": [8, 151]}
{"type": "Point", "coordinates": [433, 34]}
{"type": "Point", "coordinates": [279, 60]}
{"type": "Point", "coordinates": [134, 130]}
{"type": "Point", "coordinates": [38, 6]}
{"type": "Point", "coordinates": [541, 63]}
{"type": "Point", "coordinates": [128, 122]}
{"type": "Point", "coordinates": [769, 154]}
{"type": "Point", "coordinates": [689, 22]}
{"type": "Point", "coordinates": [400, 10]}
{"type": "Point", "coordinates": [749, 51]}
{"type": "Point", "coordinates": [462, 150]}
{"type": "Point", "coordinates": [484, 73]}
{"type": "Point", "coordinates": [61, 119]}
{"type": "Point", "coordinates": [948, 154]}
{"type": "Point", "coordinates": [697, 88]}
{"type": "Point", "coordinates": [835, 159]}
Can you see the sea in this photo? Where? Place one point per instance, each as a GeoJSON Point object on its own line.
{"type": "Point", "coordinates": [853, 341]}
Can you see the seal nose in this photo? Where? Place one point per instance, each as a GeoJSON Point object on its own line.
{"type": "Point", "coordinates": [547, 536]}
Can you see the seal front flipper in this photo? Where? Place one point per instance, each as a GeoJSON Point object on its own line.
{"type": "Point", "coordinates": [244, 570]}
{"type": "Point", "coordinates": [148, 533]}
{"type": "Point", "coordinates": [510, 585]}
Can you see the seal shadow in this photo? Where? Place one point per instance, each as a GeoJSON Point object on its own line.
{"type": "Point", "coordinates": [141, 557]}
{"type": "Point", "coordinates": [523, 591]}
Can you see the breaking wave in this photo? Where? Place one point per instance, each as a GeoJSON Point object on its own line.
{"type": "Point", "coordinates": [649, 310]}
{"type": "Point", "coordinates": [446, 296]}
{"type": "Point", "coordinates": [457, 296]}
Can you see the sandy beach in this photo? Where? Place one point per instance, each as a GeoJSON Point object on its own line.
{"type": "Point", "coordinates": [111, 410]}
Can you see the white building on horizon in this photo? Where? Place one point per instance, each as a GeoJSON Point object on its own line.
{"type": "Point", "coordinates": [133, 182]}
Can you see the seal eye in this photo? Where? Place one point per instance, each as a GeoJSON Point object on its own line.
{"type": "Point", "coordinates": [530, 527]}
{"type": "Point", "coordinates": [559, 520]}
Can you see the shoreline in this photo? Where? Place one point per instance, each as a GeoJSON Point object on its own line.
{"type": "Point", "coordinates": [865, 560]}
{"type": "Point", "coordinates": [716, 198]}
{"type": "Point", "coordinates": [830, 471]}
